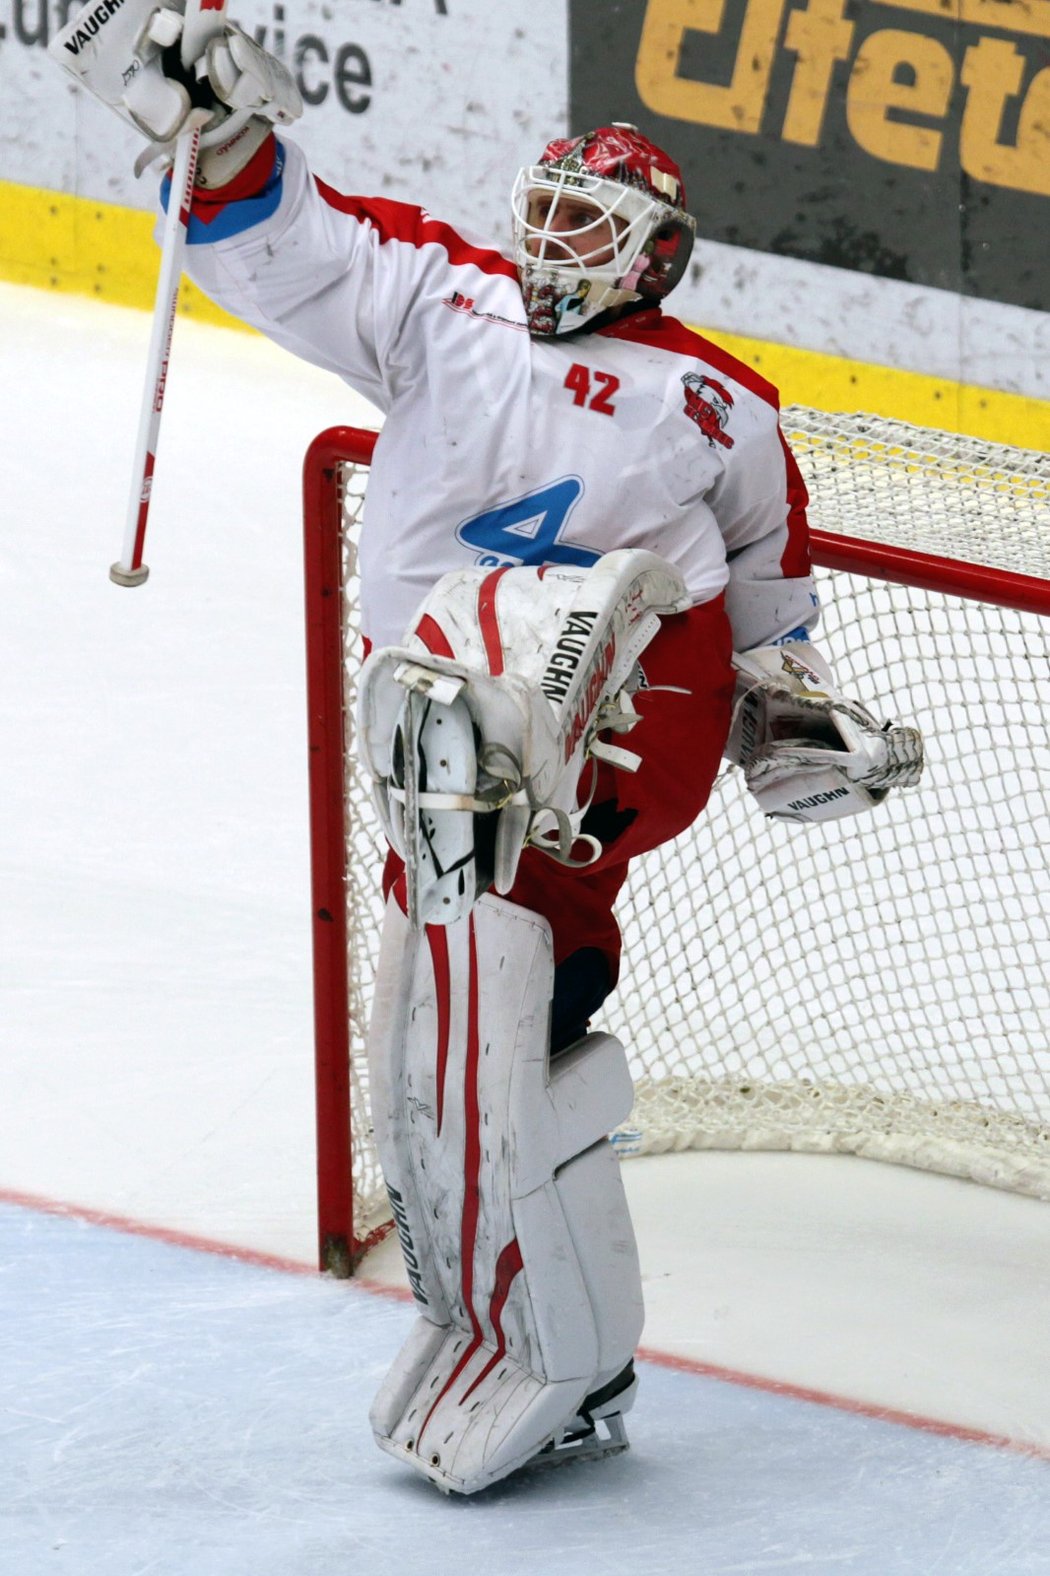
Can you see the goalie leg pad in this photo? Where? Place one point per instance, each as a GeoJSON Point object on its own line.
{"type": "Point", "coordinates": [508, 1200]}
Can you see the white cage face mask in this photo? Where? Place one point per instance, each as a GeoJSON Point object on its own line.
{"type": "Point", "coordinates": [580, 245]}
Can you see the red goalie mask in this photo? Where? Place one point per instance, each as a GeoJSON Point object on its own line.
{"type": "Point", "coordinates": [599, 221]}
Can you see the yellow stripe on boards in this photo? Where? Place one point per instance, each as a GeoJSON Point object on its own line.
{"type": "Point", "coordinates": [59, 242]}
{"type": "Point", "coordinates": [808, 377]}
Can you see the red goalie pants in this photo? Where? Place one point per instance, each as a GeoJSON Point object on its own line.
{"type": "Point", "coordinates": [680, 739]}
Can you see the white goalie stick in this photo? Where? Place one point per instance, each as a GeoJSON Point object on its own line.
{"type": "Point", "coordinates": [203, 18]}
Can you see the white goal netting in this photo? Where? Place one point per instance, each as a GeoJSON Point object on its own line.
{"type": "Point", "coordinates": [878, 985]}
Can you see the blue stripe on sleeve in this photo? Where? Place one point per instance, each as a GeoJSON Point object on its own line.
{"type": "Point", "coordinates": [234, 217]}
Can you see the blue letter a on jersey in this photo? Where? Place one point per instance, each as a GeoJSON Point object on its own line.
{"type": "Point", "coordinates": [528, 531]}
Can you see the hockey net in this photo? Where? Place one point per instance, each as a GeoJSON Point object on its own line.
{"type": "Point", "coordinates": [878, 985]}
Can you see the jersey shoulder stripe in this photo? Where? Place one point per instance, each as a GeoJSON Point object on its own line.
{"type": "Point", "coordinates": [651, 327]}
{"type": "Point", "coordinates": [400, 221]}
{"type": "Point", "coordinates": [795, 561]}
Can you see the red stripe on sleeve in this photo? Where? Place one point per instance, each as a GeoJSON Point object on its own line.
{"type": "Point", "coordinates": [400, 221]}
{"type": "Point", "coordinates": [796, 560]}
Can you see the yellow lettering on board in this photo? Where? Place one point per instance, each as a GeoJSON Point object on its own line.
{"type": "Point", "coordinates": [736, 107]}
{"type": "Point", "coordinates": [875, 88]}
{"type": "Point", "coordinates": [992, 73]}
{"type": "Point", "coordinates": [820, 37]}
{"type": "Point", "coordinates": [1012, 16]}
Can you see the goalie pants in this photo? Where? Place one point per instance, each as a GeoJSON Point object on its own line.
{"type": "Point", "coordinates": [680, 739]}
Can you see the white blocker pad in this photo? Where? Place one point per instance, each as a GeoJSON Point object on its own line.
{"type": "Point", "coordinates": [474, 754]}
{"type": "Point", "coordinates": [507, 1196]}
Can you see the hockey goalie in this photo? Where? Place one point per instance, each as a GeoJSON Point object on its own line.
{"type": "Point", "coordinates": [577, 512]}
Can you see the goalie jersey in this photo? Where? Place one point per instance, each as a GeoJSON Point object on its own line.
{"type": "Point", "coordinates": [501, 449]}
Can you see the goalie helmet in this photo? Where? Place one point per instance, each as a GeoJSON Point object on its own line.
{"type": "Point", "coordinates": [598, 222]}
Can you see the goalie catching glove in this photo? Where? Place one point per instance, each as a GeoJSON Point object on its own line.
{"type": "Point", "coordinates": [131, 59]}
{"type": "Point", "coordinates": [808, 753]}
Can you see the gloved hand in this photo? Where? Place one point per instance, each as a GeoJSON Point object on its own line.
{"type": "Point", "coordinates": [131, 59]}
{"type": "Point", "coordinates": [808, 753]}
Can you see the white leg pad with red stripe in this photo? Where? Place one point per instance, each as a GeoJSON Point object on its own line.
{"type": "Point", "coordinates": [507, 1196]}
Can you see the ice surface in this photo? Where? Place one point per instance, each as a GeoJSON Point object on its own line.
{"type": "Point", "coordinates": [171, 1412]}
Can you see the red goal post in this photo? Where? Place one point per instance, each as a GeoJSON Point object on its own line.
{"type": "Point", "coordinates": [936, 582]}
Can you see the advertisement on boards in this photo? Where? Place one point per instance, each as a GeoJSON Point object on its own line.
{"type": "Point", "coordinates": [907, 139]}
{"type": "Point", "coordinates": [428, 101]}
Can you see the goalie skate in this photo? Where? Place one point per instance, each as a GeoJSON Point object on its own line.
{"type": "Point", "coordinates": [598, 1428]}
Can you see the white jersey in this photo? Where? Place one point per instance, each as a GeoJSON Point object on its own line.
{"type": "Point", "coordinates": [499, 448]}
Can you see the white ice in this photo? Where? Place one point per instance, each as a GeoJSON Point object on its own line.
{"type": "Point", "coordinates": [168, 1411]}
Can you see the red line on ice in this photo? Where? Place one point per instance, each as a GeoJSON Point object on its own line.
{"type": "Point", "coordinates": [647, 1354]}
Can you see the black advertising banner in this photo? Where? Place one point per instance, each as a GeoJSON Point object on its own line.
{"type": "Point", "coordinates": [906, 138]}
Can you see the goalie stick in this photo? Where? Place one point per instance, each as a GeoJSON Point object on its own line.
{"type": "Point", "coordinates": [203, 18]}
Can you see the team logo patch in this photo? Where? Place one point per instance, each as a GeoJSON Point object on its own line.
{"type": "Point", "coordinates": [708, 404]}
{"type": "Point", "coordinates": [529, 530]}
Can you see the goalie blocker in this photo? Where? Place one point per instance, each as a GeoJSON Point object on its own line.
{"type": "Point", "coordinates": [130, 57]}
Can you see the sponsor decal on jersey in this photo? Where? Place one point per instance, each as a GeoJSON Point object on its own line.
{"type": "Point", "coordinates": [415, 1274]}
{"type": "Point", "coordinates": [529, 529]}
{"type": "Point", "coordinates": [708, 404]}
{"type": "Point", "coordinates": [457, 302]}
